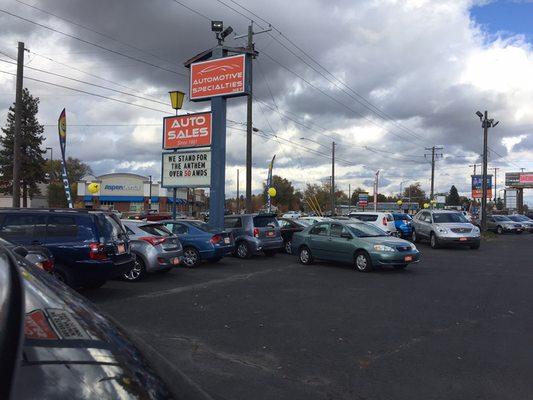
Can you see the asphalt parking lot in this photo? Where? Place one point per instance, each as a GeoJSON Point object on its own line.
{"type": "Point", "coordinates": [458, 325]}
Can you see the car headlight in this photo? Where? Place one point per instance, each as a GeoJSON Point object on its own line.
{"type": "Point", "coordinates": [476, 229]}
{"type": "Point", "coordinates": [440, 229]}
{"type": "Point", "coordinates": [382, 247]}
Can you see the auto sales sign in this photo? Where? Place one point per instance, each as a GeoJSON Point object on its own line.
{"type": "Point", "coordinates": [187, 131]}
{"type": "Point", "coordinates": [218, 77]}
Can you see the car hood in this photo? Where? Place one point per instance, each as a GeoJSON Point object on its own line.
{"type": "Point", "coordinates": [385, 240]}
{"type": "Point", "coordinates": [69, 346]}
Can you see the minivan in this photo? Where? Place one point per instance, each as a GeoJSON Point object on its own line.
{"type": "Point", "coordinates": [89, 247]}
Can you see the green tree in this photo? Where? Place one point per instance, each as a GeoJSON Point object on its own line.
{"type": "Point", "coordinates": [453, 198]}
{"type": "Point", "coordinates": [76, 169]}
{"type": "Point", "coordinates": [31, 155]}
{"type": "Point", "coordinates": [287, 198]}
{"type": "Point", "coordinates": [499, 204]}
{"type": "Point", "coordinates": [415, 193]}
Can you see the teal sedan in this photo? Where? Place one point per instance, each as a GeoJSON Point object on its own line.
{"type": "Point", "coordinates": [359, 243]}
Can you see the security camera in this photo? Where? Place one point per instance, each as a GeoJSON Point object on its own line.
{"type": "Point", "coordinates": [217, 26]}
{"type": "Point", "coordinates": [479, 114]}
{"type": "Point", "coordinates": [225, 33]}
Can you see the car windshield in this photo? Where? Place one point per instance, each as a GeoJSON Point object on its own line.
{"type": "Point", "coordinates": [305, 222]}
{"type": "Point", "coordinates": [156, 229]}
{"type": "Point", "coordinates": [365, 230]}
{"type": "Point", "coordinates": [502, 218]}
{"type": "Point", "coordinates": [262, 221]}
{"type": "Point", "coordinates": [518, 218]}
{"type": "Point", "coordinates": [444, 218]}
{"type": "Point", "coordinates": [402, 217]}
{"type": "Point", "coordinates": [203, 226]}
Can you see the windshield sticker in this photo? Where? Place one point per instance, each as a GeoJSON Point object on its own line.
{"type": "Point", "coordinates": [66, 325]}
{"type": "Point", "coordinates": [36, 326]}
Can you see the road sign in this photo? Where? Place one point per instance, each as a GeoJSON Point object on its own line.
{"type": "Point", "coordinates": [218, 77]}
{"type": "Point", "coordinates": [186, 169]}
{"type": "Point", "coordinates": [477, 186]}
{"type": "Point", "coordinates": [187, 131]}
{"type": "Point", "coordinates": [363, 199]}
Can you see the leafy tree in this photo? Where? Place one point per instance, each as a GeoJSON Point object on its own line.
{"type": "Point", "coordinates": [499, 204]}
{"type": "Point", "coordinates": [287, 198]}
{"type": "Point", "coordinates": [415, 193]}
{"type": "Point", "coordinates": [76, 169]}
{"type": "Point", "coordinates": [31, 155]}
{"type": "Point", "coordinates": [453, 198]}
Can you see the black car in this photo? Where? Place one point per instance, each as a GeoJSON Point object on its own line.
{"type": "Point", "coordinates": [288, 227]}
{"type": "Point", "coordinates": [55, 345]}
{"type": "Point", "coordinates": [89, 247]}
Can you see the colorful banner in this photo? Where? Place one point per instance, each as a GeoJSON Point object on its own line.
{"type": "Point", "coordinates": [62, 128]}
{"type": "Point", "coordinates": [269, 183]}
{"type": "Point", "coordinates": [477, 186]}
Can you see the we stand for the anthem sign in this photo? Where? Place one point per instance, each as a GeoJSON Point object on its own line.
{"type": "Point", "coordinates": [190, 169]}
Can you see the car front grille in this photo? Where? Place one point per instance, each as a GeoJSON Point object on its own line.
{"type": "Point", "coordinates": [461, 230]}
{"type": "Point", "coordinates": [403, 248]}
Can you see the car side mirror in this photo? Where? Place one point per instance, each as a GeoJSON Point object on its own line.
{"type": "Point", "coordinates": [346, 235]}
{"type": "Point", "coordinates": [21, 251]}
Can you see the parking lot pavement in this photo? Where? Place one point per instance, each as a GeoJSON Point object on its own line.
{"type": "Point", "coordinates": [456, 326]}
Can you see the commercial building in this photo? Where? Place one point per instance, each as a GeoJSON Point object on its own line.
{"type": "Point", "coordinates": [131, 193]}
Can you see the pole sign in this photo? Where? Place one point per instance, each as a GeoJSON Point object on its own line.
{"type": "Point", "coordinates": [189, 169]}
{"type": "Point", "coordinates": [477, 186]}
{"type": "Point", "coordinates": [187, 131]}
{"type": "Point", "coordinates": [218, 77]}
{"type": "Point", "coordinates": [363, 200]}
{"type": "Point", "coordinates": [519, 179]}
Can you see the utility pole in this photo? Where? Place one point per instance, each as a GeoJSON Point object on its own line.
{"type": "Point", "coordinates": [495, 183]}
{"type": "Point", "coordinates": [475, 166]}
{"type": "Point", "coordinates": [238, 198]}
{"type": "Point", "coordinates": [433, 156]}
{"type": "Point", "coordinates": [18, 126]}
{"type": "Point", "coordinates": [332, 178]}
{"type": "Point", "coordinates": [249, 126]}
{"type": "Point", "coordinates": [349, 197]}
{"type": "Point", "coordinates": [376, 185]}
{"type": "Point", "coordinates": [486, 123]}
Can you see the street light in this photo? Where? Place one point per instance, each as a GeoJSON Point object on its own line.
{"type": "Point", "coordinates": [332, 170]}
{"type": "Point", "coordinates": [176, 99]}
{"type": "Point", "coordinates": [150, 195]}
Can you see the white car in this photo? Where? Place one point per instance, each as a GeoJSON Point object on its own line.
{"type": "Point", "coordinates": [382, 220]}
{"type": "Point", "coordinates": [314, 220]}
{"type": "Point", "coordinates": [292, 214]}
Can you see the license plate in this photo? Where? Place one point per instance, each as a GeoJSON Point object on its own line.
{"type": "Point", "coordinates": [121, 249]}
{"type": "Point", "coordinates": [408, 258]}
{"type": "Point", "coordinates": [175, 261]}
{"type": "Point", "coordinates": [226, 240]}
{"type": "Point", "coordinates": [271, 234]}
{"type": "Point", "coordinates": [519, 230]}
{"type": "Point", "coordinates": [463, 239]}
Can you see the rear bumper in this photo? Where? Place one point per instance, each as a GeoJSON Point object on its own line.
{"type": "Point", "coordinates": [156, 261]}
{"type": "Point", "coordinates": [396, 258]}
{"type": "Point", "coordinates": [88, 271]}
{"type": "Point", "coordinates": [271, 244]}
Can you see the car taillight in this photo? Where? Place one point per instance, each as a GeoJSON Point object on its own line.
{"type": "Point", "coordinates": [48, 265]}
{"type": "Point", "coordinates": [256, 232]}
{"type": "Point", "coordinates": [97, 251]}
{"type": "Point", "coordinates": [216, 239]}
{"type": "Point", "coordinates": [385, 221]}
{"type": "Point", "coordinates": [153, 240]}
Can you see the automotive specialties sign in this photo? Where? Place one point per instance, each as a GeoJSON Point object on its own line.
{"type": "Point", "coordinates": [186, 131]}
{"type": "Point", "coordinates": [218, 77]}
{"type": "Point", "coordinates": [186, 169]}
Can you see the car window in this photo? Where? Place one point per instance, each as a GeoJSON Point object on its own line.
{"type": "Point", "coordinates": [155, 229]}
{"type": "Point", "coordinates": [109, 228]}
{"type": "Point", "coordinates": [337, 229]}
{"type": "Point", "coordinates": [262, 221]}
{"type": "Point", "coordinates": [366, 217]}
{"type": "Point", "coordinates": [17, 226]}
{"type": "Point", "coordinates": [204, 227]}
{"type": "Point", "coordinates": [282, 223]}
{"type": "Point", "coordinates": [366, 230]}
{"type": "Point", "coordinates": [320, 229]}
{"type": "Point", "coordinates": [129, 231]}
{"type": "Point", "coordinates": [61, 226]}
{"type": "Point", "coordinates": [389, 217]}
{"type": "Point", "coordinates": [234, 222]}
{"type": "Point", "coordinates": [180, 229]}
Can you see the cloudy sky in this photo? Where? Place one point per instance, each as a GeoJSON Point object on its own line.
{"type": "Point", "coordinates": [384, 79]}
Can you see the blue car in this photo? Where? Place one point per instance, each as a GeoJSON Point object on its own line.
{"type": "Point", "coordinates": [200, 241]}
{"type": "Point", "coordinates": [403, 223]}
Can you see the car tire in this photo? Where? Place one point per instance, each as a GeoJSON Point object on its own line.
{"type": "Point", "coordinates": [137, 272]}
{"type": "Point", "coordinates": [242, 250]}
{"type": "Point", "coordinates": [287, 247]}
{"type": "Point", "coordinates": [414, 237]}
{"type": "Point", "coordinates": [499, 230]}
{"type": "Point", "coordinates": [191, 257]}
{"type": "Point", "coordinates": [363, 262]}
{"type": "Point", "coordinates": [270, 253]}
{"type": "Point", "coordinates": [433, 241]}
{"type": "Point", "coordinates": [305, 256]}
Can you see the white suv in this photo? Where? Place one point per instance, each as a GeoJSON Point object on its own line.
{"type": "Point", "coordinates": [383, 220]}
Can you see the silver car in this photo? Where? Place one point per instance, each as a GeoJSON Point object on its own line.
{"type": "Point", "coordinates": [502, 223]}
{"type": "Point", "coordinates": [155, 248]}
{"type": "Point", "coordinates": [443, 227]}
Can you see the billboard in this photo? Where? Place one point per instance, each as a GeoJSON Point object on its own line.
{"type": "Point", "coordinates": [219, 77]}
{"type": "Point", "coordinates": [189, 169]}
{"type": "Point", "coordinates": [477, 186]}
{"type": "Point", "coordinates": [186, 131]}
{"type": "Point", "coordinates": [519, 179]}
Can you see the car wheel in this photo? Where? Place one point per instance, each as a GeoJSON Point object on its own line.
{"type": "Point", "coordinates": [433, 241]}
{"type": "Point", "coordinates": [270, 253]}
{"type": "Point", "coordinates": [242, 250]}
{"type": "Point", "coordinates": [414, 237]}
{"type": "Point", "coordinates": [363, 262]}
{"type": "Point", "coordinates": [137, 272]}
{"type": "Point", "coordinates": [499, 230]}
{"type": "Point", "coordinates": [191, 257]}
{"type": "Point", "coordinates": [288, 245]}
{"type": "Point", "coordinates": [305, 256]}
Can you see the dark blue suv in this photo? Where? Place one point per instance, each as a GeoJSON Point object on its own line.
{"type": "Point", "coordinates": [89, 247]}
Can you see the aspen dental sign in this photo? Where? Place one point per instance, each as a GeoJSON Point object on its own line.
{"type": "Point", "coordinates": [186, 131]}
{"type": "Point", "coordinates": [218, 77]}
{"type": "Point", "coordinates": [186, 169]}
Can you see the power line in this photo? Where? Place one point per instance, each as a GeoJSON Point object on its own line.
{"type": "Point", "coordinates": [93, 44]}
{"type": "Point", "coordinates": [192, 10]}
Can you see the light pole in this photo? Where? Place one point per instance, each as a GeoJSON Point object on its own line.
{"type": "Point", "coordinates": [51, 162]}
{"type": "Point", "coordinates": [332, 194]}
{"type": "Point", "coordinates": [150, 195]}
{"type": "Point", "coordinates": [176, 99]}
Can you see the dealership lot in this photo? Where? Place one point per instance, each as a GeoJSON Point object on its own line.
{"type": "Point", "coordinates": [456, 325]}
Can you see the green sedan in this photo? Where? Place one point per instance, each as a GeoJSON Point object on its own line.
{"type": "Point", "coordinates": [362, 244]}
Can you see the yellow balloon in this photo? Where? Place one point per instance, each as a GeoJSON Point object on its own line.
{"type": "Point", "coordinates": [399, 202]}
{"type": "Point", "coordinates": [426, 205]}
{"type": "Point", "coordinates": [93, 187]}
{"type": "Point", "coordinates": [272, 192]}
